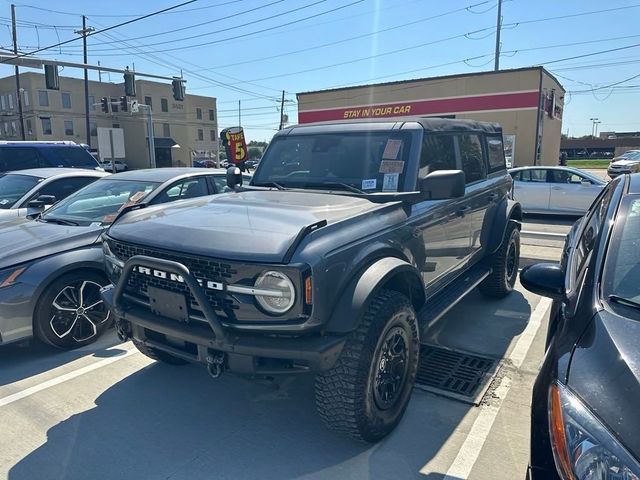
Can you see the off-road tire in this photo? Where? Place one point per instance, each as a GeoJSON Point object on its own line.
{"type": "Point", "coordinates": [52, 332]}
{"type": "Point", "coordinates": [158, 355]}
{"type": "Point", "coordinates": [504, 263]}
{"type": "Point", "coordinates": [345, 397]}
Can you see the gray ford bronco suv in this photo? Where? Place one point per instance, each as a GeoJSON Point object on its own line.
{"type": "Point", "coordinates": [322, 263]}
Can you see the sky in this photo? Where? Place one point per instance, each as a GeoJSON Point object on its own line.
{"type": "Point", "coordinates": [252, 50]}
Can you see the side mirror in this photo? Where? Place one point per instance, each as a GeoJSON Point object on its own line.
{"type": "Point", "coordinates": [42, 201]}
{"type": "Point", "coordinates": [443, 185]}
{"type": "Point", "coordinates": [234, 177]}
{"type": "Point", "coordinates": [546, 279]}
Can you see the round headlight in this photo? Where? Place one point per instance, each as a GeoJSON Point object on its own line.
{"type": "Point", "coordinates": [276, 293]}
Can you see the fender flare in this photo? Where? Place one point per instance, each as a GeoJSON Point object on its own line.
{"type": "Point", "coordinates": [506, 210]}
{"type": "Point", "coordinates": [390, 272]}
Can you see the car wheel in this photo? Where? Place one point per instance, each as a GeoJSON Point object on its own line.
{"type": "Point", "coordinates": [504, 264]}
{"type": "Point", "coordinates": [70, 312]}
{"type": "Point", "coordinates": [158, 355]}
{"type": "Point", "coordinates": [367, 391]}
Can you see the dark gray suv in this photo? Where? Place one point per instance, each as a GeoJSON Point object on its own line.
{"type": "Point", "coordinates": [321, 264]}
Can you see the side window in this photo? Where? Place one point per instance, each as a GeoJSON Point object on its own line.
{"type": "Point", "coordinates": [560, 176]}
{"type": "Point", "coordinates": [20, 159]}
{"type": "Point", "coordinates": [495, 150]}
{"type": "Point", "coordinates": [64, 187]}
{"type": "Point", "coordinates": [438, 153]}
{"type": "Point", "coordinates": [187, 188]}
{"type": "Point", "coordinates": [517, 176]}
{"type": "Point", "coordinates": [537, 175]}
{"type": "Point", "coordinates": [473, 163]}
{"type": "Point", "coordinates": [221, 184]}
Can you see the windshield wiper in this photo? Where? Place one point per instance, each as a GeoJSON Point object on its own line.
{"type": "Point", "coordinates": [627, 302]}
{"type": "Point", "coordinates": [344, 186]}
{"type": "Point", "coordinates": [269, 184]}
{"type": "Point", "coordinates": [59, 221]}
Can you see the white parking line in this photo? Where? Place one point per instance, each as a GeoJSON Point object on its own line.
{"type": "Point", "coordinates": [470, 449]}
{"type": "Point", "coordinates": [14, 397]}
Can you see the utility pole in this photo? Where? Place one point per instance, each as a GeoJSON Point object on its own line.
{"type": "Point", "coordinates": [14, 34]}
{"type": "Point", "coordinates": [99, 73]}
{"type": "Point", "coordinates": [281, 112]}
{"type": "Point", "coordinates": [84, 32]}
{"type": "Point", "coordinates": [239, 115]}
{"type": "Point", "coordinates": [152, 142]}
{"type": "Point", "coordinates": [498, 28]}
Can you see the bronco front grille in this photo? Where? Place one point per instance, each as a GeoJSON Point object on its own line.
{"type": "Point", "coordinates": [202, 268]}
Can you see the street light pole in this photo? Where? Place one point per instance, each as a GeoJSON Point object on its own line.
{"type": "Point", "coordinates": [14, 34]}
{"type": "Point", "coordinates": [152, 142]}
{"type": "Point", "coordinates": [84, 32]}
{"type": "Point", "coordinates": [498, 28]}
{"type": "Point", "coordinates": [593, 126]}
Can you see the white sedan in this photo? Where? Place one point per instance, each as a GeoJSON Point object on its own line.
{"type": "Point", "coordinates": [120, 166]}
{"type": "Point", "coordinates": [557, 190]}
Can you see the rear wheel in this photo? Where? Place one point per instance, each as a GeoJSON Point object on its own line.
{"type": "Point", "coordinates": [158, 355]}
{"type": "Point", "coordinates": [367, 392]}
{"type": "Point", "coordinates": [505, 264]}
{"type": "Point", "coordinates": [70, 313]}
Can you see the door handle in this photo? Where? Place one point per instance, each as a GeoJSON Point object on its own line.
{"type": "Point", "coordinates": [493, 197]}
{"type": "Point", "coordinates": [556, 188]}
{"type": "Point", "coordinates": [463, 210]}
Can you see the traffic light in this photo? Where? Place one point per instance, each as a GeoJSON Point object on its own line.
{"type": "Point", "coordinates": [51, 79]}
{"type": "Point", "coordinates": [124, 104]}
{"type": "Point", "coordinates": [178, 90]}
{"type": "Point", "coordinates": [104, 104]}
{"type": "Point", "coordinates": [129, 84]}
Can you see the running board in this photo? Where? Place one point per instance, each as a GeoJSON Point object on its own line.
{"type": "Point", "coordinates": [445, 300]}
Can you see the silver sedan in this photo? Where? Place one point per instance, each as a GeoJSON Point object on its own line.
{"type": "Point", "coordinates": [557, 190]}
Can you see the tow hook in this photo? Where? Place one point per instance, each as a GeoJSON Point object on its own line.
{"type": "Point", "coordinates": [123, 330]}
{"type": "Point", "coordinates": [215, 363]}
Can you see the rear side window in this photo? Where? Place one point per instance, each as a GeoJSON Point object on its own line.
{"type": "Point", "coordinates": [438, 153]}
{"type": "Point", "coordinates": [64, 187]}
{"type": "Point", "coordinates": [533, 175]}
{"type": "Point", "coordinates": [20, 158]}
{"type": "Point", "coordinates": [495, 149]}
{"type": "Point", "coordinates": [69, 157]}
{"type": "Point", "coordinates": [473, 163]}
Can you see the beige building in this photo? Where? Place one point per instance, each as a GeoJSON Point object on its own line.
{"type": "Point", "coordinates": [527, 102]}
{"type": "Point", "coordinates": [183, 131]}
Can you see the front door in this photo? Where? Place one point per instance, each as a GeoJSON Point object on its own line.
{"type": "Point", "coordinates": [531, 189]}
{"type": "Point", "coordinates": [571, 192]}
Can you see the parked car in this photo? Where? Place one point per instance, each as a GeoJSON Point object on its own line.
{"type": "Point", "coordinates": [204, 164]}
{"type": "Point", "coordinates": [27, 155]}
{"type": "Point", "coordinates": [585, 415]}
{"type": "Point", "coordinates": [28, 192]}
{"type": "Point", "coordinates": [629, 162]}
{"type": "Point", "coordinates": [320, 264]}
{"type": "Point", "coordinates": [119, 165]}
{"type": "Point", "coordinates": [555, 190]}
{"type": "Point", "coordinates": [52, 269]}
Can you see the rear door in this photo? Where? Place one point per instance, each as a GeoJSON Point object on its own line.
{"type": "Point", "coordinates": [571, 192]}
{"type": "Point", "coordinates": [531, 189]}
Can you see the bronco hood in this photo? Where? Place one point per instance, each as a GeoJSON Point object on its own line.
{"type": "Point", "coordinates": [24, 240]}
{"type": "Point", "coordinates": [253, 225]}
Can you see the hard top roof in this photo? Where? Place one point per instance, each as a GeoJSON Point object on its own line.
{"type": "Point", "coordinates": [58, 171]}
{"type": "Point", "coordinates": [164, 174]}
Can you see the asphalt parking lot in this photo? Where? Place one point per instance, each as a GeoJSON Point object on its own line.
{"type": "Point", "coordinates": [106, 411]}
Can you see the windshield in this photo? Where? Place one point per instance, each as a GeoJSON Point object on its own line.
{"type": "Point", "coordinates": [371, 161]}
{"type": "Point", "coordinates": [622, 267]}
{"type": "Point", "coordinates": [100, 201]}
{"type": "Point", "coordinates": [14, 187]}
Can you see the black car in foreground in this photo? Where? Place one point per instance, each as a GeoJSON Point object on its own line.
{"type": "Point", "coordinates": [585, 414]}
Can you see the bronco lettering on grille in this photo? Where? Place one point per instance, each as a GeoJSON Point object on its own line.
{"type": "Point", "coordinates": [174, 277]}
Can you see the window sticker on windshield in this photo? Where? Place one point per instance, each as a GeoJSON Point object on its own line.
{"type": "Point", "coordinates": [391, 166]}
{"type": "Point", "coordinates": [369, 184]}
{"type": "Point", "coordinates": [392, 149]}
{"type": "Point", "coordinates": [4, 201]}
{"type": "Point", "coordinates": [390, 182]}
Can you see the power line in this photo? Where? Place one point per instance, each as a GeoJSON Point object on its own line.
{"type": "Point", "coordinates": [593, 53]}
{"type": "Point", "coordinates": [137, 19]}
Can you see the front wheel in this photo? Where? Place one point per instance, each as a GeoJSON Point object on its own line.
{"type": "Point", "coordinates": [367, 392]}
{"type": "Point", "coordinates": [505, 264]}
{"type": "Point", "coordinates": [70, 312]}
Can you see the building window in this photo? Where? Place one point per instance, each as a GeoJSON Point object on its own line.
{"type": "Point", "coordinates": [25, 96]}
{"type": "Point", "coordinates": [3, 105]}
{"type": "Point", "coordinates": [6, 129]}
{"type": "Point", "coordinates": [200, 134]}
{"type": "Point", "coordinates": [212, 115]}
{"type": "Point", "coordinates": [43, 98]}
{"type": "Point", "coordinates": [93, 129]}
{"type": "Point", "coordinates": [68, 127]}
{"type": "Point", "coordinates": [164, 105]}
{"type": "Point", "coordinates": [46, 125]}
{"type": "Point", "coordinates": [199, 113]}
{"type": "Point", "coordinates": [14, 130]}
{"type": "Point", "coordinates": [149, 102]}
{"type": "Point", "coordinates": [10, 101]}
{"type": "Point", "coordinates": [66, 99]}
{"type": "Point", "coordinates": [166, 130]}
{"type": "Point", "coordinates": [28, 127]}
{"type": "Point", "coordinates": [92, 103]}
{"type": "Point", "coordinates": [212, 135]}
{"type": "Point", "coordinates": [115, 125]}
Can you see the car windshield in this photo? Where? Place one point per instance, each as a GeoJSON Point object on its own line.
{"type": "Point", "coordinates": [622, 267]}
{"type": "Point", "coordinates": [370, 162]}
{"type": "Point", "coordinates": [99, 202]}
{"type": "Point", "coordinates": [13, 187]}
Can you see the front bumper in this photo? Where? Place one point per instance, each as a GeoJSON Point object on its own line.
{"type": "Point", "coordinates": [244, 352]}
{"type": "Point", "coordinates": [16, 312]}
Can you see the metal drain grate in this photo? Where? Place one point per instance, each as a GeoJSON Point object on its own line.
{"type": "Point", "coordinates": [454, 374]}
